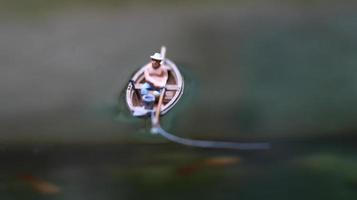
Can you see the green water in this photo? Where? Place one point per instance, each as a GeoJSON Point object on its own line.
{"type": "Point", "coordinates": [277, 72]}
{"type": "Point", "coordinates": [294, 170]}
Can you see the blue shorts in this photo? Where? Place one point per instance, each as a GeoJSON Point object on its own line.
{"type": "Point", "coordinates": [148, 87]}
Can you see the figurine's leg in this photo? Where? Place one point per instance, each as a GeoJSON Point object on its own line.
{"type": "Point", "coordinates": [145, 89]}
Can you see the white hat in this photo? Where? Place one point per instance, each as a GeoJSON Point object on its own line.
{"type": "Point", "coordinates": [156, 56]}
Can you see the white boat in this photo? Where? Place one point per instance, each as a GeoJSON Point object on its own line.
{"type": "Point", "coordinates": [173, 92]}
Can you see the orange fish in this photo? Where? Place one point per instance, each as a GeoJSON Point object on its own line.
{"type": "Point", "coordinates": [210, 162]}
{"type": "Point", "coordinates": [40, 186]}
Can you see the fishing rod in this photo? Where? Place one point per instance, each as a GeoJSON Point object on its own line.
{"type": "Point", "coordinates": [156, 129]}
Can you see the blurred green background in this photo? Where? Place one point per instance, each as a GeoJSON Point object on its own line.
{"type": "Point", "coordinates": [277, 71]}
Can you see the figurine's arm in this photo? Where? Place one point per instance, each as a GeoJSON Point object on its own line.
{"type": "Point", "coordinates": [165, 76]}
{"type": "Point", "coordinates": [155, 79]}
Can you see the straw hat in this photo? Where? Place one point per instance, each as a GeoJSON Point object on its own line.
{"type": "Point", "coordinates": [156, 56]}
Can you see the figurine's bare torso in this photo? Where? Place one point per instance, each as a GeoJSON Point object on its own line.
{"type": "Point", "coordinates": [156, 76]}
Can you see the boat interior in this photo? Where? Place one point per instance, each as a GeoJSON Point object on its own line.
{"type": "Point", "coordinates": [171, 89]}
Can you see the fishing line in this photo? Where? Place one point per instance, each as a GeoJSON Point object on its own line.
{"type": "Point", "coordinates": [210, 144]}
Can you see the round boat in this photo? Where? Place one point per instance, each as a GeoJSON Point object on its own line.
{"type": "Point", "coordinates": [174, 89]}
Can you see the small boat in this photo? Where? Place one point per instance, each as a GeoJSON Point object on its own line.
{"type": "Point", "coordinates": [169, 96]}
{"type": "Point", "coordinates": [172, 93]}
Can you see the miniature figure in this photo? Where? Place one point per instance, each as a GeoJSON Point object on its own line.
{"type": "Point", "coordinates": [156, 76]}
{"type": "Point", "coordinates": [155, 87]}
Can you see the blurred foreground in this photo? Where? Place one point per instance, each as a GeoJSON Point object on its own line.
{"type": "Point", "coordinates": [292, 170]}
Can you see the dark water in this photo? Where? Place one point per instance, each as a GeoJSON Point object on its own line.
{"type": "Point", "coordinates": [306, 169]}
{"type": "Point", "coordinates": [283, 73]}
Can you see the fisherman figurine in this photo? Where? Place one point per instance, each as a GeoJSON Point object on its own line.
{"type": "Point", "coordinates": [155, 88]}
{"type": "Point", "coordinates": [156, 76]}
